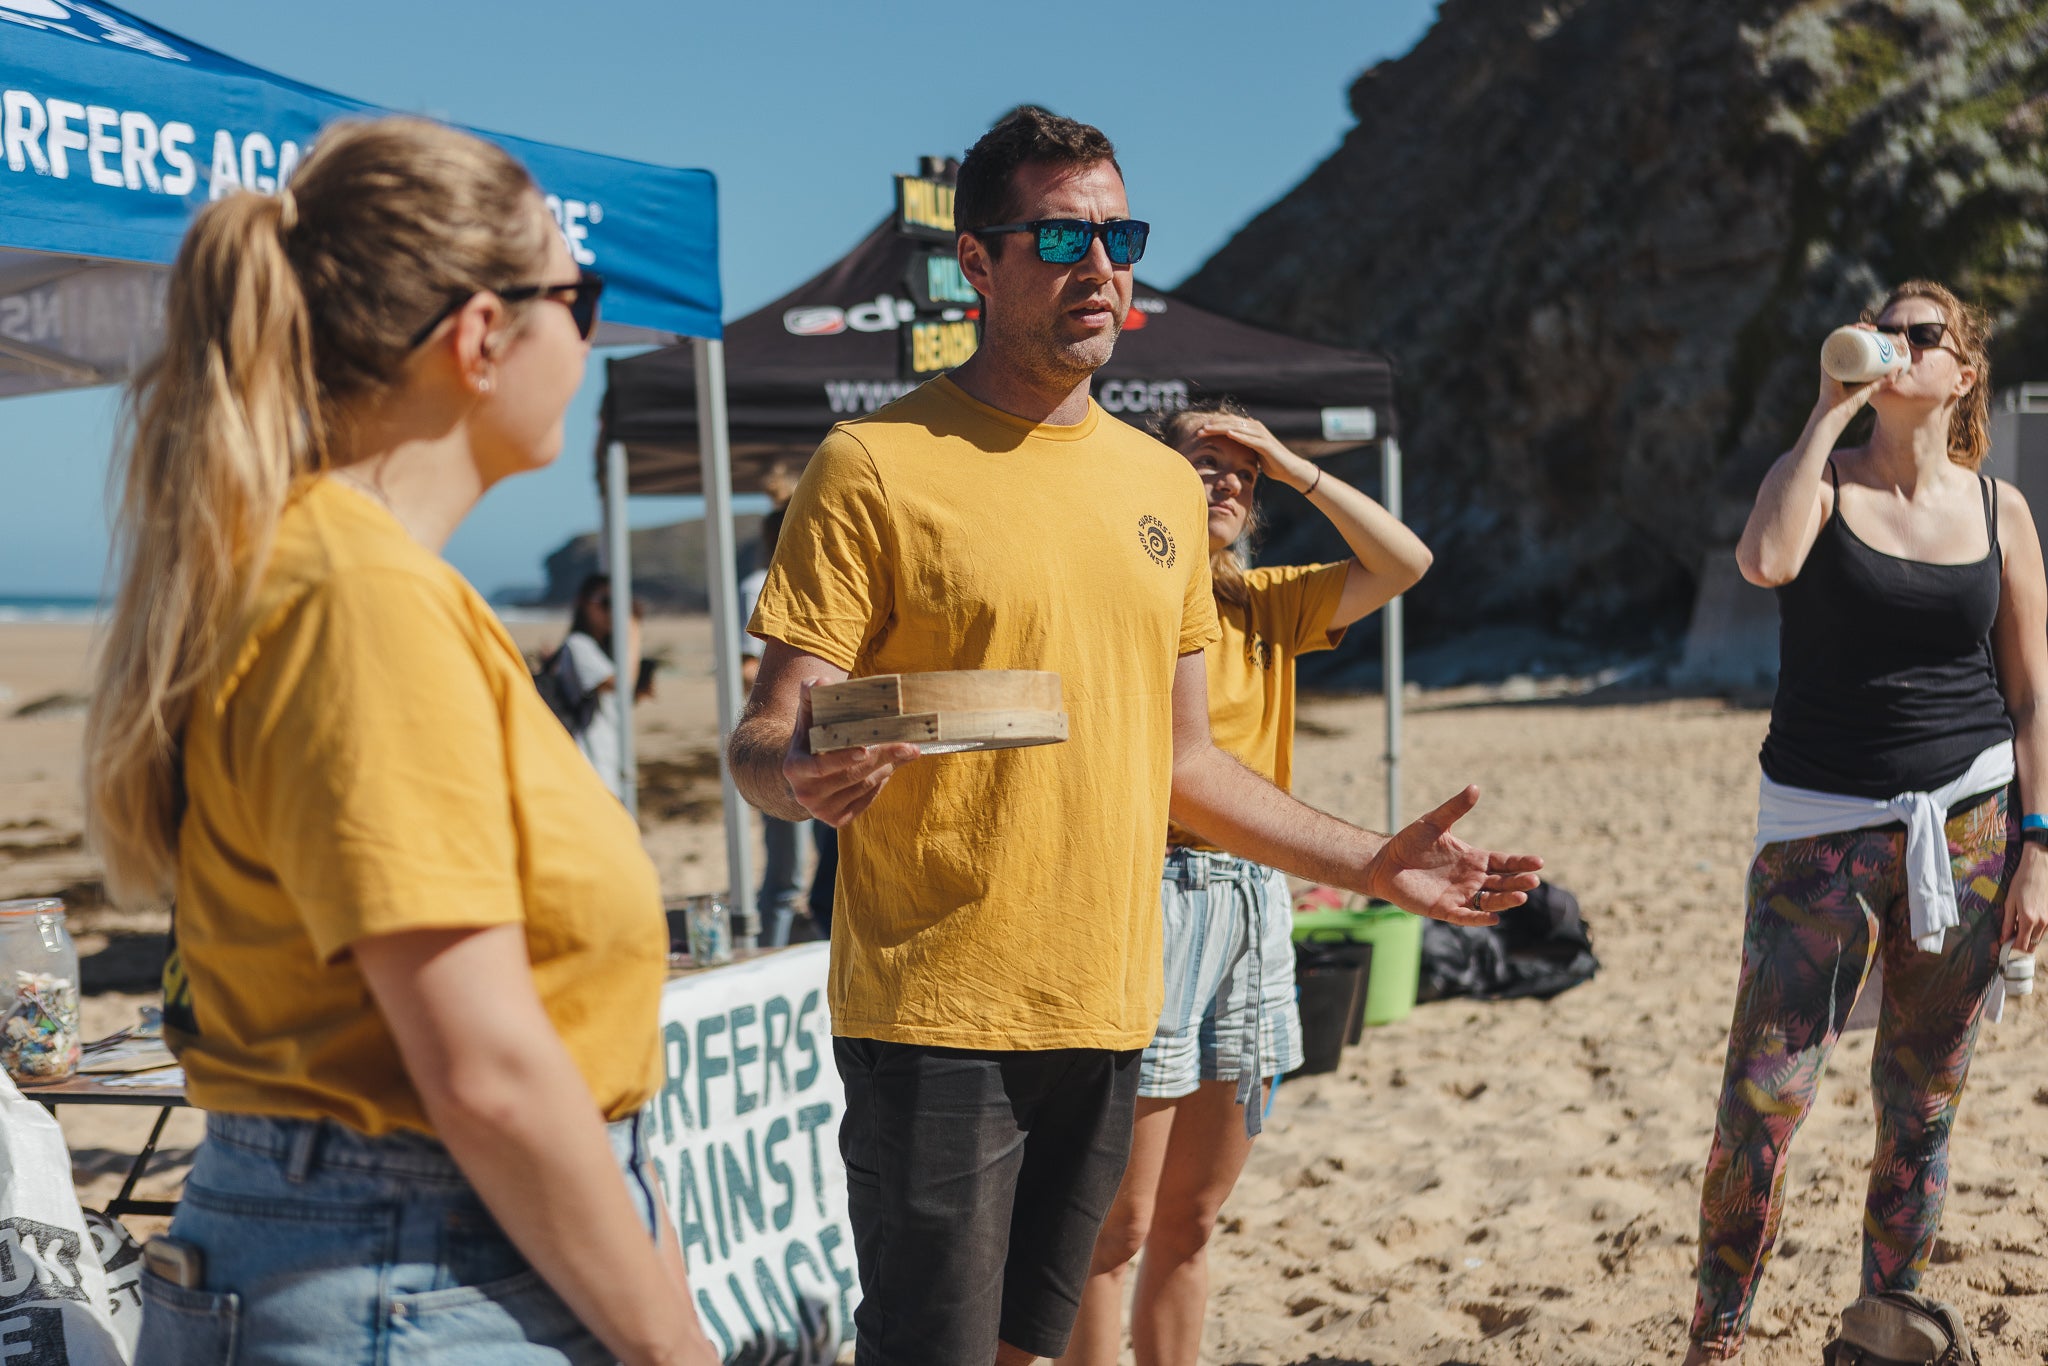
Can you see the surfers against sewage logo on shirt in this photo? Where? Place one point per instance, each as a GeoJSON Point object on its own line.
{"type": "Point", "coordinates": [1157, 539]}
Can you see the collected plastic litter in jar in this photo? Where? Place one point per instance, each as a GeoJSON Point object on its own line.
{"type": "Point", "coordinates": [39, 1037]}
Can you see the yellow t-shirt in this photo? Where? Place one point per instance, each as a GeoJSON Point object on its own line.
{"type": "Point", "coordinates": [1007, 899]}
{"type": "Point", "coordinates": [376, 759]}
{"type": "Point", "coordinates": [1251, 669]}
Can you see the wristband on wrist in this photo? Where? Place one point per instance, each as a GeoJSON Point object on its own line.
{"type": "Point", "coordinates": [2034, 821]}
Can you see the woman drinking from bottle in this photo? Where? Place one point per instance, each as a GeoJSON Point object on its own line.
{"type": "Point", "coordinates": [1905, 776]}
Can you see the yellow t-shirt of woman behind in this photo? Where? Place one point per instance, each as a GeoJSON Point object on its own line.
{"type": "Point", "coordinates": [376, 759]}
{"type": "Point", "coordinates": [1287, 614]}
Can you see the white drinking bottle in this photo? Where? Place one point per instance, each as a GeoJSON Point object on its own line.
{"type": "Point", "coordinates": [1856, 355]}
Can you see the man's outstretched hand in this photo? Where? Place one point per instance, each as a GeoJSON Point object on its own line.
{"type": "Point", "coordinates": [1426, 869]}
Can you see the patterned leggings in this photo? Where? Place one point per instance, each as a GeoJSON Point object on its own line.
{"type": "Point", "coordinates": [1819, 911]}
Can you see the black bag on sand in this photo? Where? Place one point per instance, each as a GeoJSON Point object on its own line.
{"type": "Point", "coordinates": [1900, 1328]}
{"type": "Point", "coordinates": [1538, 949]}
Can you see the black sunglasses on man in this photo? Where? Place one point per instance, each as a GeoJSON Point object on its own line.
{"type": "Point", "coordinates": [1064, 241]}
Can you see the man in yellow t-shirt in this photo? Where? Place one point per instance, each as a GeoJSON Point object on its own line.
{"type": "Point", "coordinates": [996, 962]}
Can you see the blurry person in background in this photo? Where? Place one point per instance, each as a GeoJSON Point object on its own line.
{"type": "Point", "coordinates": [781, 874]}
{"type": "Point", "coordinates": [587, 681]}
{"type": "Point", "coordinates": [824, 877]}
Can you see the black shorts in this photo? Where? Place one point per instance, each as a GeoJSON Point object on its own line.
{"type": "Point", "coordinates": [976, 1183]}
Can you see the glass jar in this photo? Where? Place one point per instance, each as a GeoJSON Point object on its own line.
{"type": "Point", "coordinates": [710, 931]}
{"type": "Point", "coordinates": [38, 991]}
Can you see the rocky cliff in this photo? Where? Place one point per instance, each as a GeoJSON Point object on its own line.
{"type": "Point", "coordinates": [1603, 239]}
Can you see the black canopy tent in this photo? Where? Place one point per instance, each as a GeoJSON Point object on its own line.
{"type": "Point", "coordinates": [829, 350]}
{"type": "Point", "coordinates": [834, 348]}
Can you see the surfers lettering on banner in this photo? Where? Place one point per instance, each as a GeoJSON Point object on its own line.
{"type": "Point", "coordinates": [745, 1143]}
{"type": "Point", "coordinates": [140, 151]}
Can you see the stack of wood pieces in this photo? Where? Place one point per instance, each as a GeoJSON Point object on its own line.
{"type": "Point", "coordinates": [949, 712]}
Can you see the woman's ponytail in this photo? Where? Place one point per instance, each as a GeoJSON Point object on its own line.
{"type": "Point", "coordinates": [220, 423]}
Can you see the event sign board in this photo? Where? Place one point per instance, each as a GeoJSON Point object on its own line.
{"type": "Point", "coordinates": [946, 328]}
{"type": "Point", "coordinates": [114, 133]}
{"type": "Point", "coordinates": [745, 1145]}
{"type": "Point", "coordinates": [935, 281]}
{"type": "Point", "coordinates": [932, 346]}
{"type": "Point", "coordinates": [1350, 424]}
{"type": "Point", "coordinates": [924, 207]}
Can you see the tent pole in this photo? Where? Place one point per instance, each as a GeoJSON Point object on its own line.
{"type": "Point", "coordinates": [619, 553]}
{"type": "Point", "coordinates": [722, 580]}
{"type": "Point", "coordinates": [1393, 671]}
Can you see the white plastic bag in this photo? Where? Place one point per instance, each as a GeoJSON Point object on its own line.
{"type": "Point", "coordinates": [121, 1258]}
{"type": "Point", "coordinates": [54, 1309]}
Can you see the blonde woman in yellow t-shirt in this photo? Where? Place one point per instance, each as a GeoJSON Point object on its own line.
{"type": "Point", "coordinates": [1230, 1020]}
{"type": "Point", "coordinates": [418, 950]}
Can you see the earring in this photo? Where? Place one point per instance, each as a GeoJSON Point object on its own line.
{"type": "Point", "coordinates": [483, 386]}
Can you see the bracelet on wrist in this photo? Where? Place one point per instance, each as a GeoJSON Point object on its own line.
{"type": "Point", "coordinates": [1310, 491]}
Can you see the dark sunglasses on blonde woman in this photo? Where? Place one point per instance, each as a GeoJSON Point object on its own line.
{"type": "Point", "coordinates": [579, 296]}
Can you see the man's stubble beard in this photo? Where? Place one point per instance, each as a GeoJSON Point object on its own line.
{"type": "Point", "coordinates": [1052, 362]}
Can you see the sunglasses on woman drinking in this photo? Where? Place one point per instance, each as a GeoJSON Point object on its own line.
{"type": "Point", "coordinates": [1063, 241]}
{"type": "Point", "coordinates": [1922, 336]}
{"type": "Point", "coordinates": [579, 296]}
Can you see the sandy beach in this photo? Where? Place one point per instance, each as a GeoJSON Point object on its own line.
{"type": "Point", "coordinates": [1480, 1183]}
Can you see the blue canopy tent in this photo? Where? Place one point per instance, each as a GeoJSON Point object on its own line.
{"type": "Point", "coordinates": [114, 132]}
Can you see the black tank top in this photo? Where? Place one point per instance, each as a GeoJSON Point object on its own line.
{"type": "Point", "coordinates": [1886, 682]}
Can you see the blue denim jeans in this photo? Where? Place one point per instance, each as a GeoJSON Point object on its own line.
{"type": "Point", "coordinates": [322, 1245]}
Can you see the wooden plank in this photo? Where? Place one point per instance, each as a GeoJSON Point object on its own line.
{"type": "Point", "coordinates": [964, 690]}
{"type": "Point", "coordinates": [875, 730]}
{"type": "Point", "coordinates": [945, 691]}
{"type": "Point", "coordinates": [947, 732]}
{"type": "Point", "coordinates": [856, 699]}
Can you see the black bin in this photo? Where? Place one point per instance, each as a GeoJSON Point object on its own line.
{"type": "Point", "coordinates": [1363, 953]}
{"type": "Point", "coordinates": [1338, 947]}
{"type": "Point", "coordinates": [1329, 978]}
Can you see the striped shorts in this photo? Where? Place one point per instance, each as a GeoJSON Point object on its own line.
{"type": "Point", "coordinates": [1229, 976]}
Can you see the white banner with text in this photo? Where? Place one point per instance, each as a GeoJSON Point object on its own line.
{"type": "Point", "coordinates": [745, 1142]}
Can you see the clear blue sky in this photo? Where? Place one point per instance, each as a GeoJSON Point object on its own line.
{"type": "Point", "coordinates": [804, 110]}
